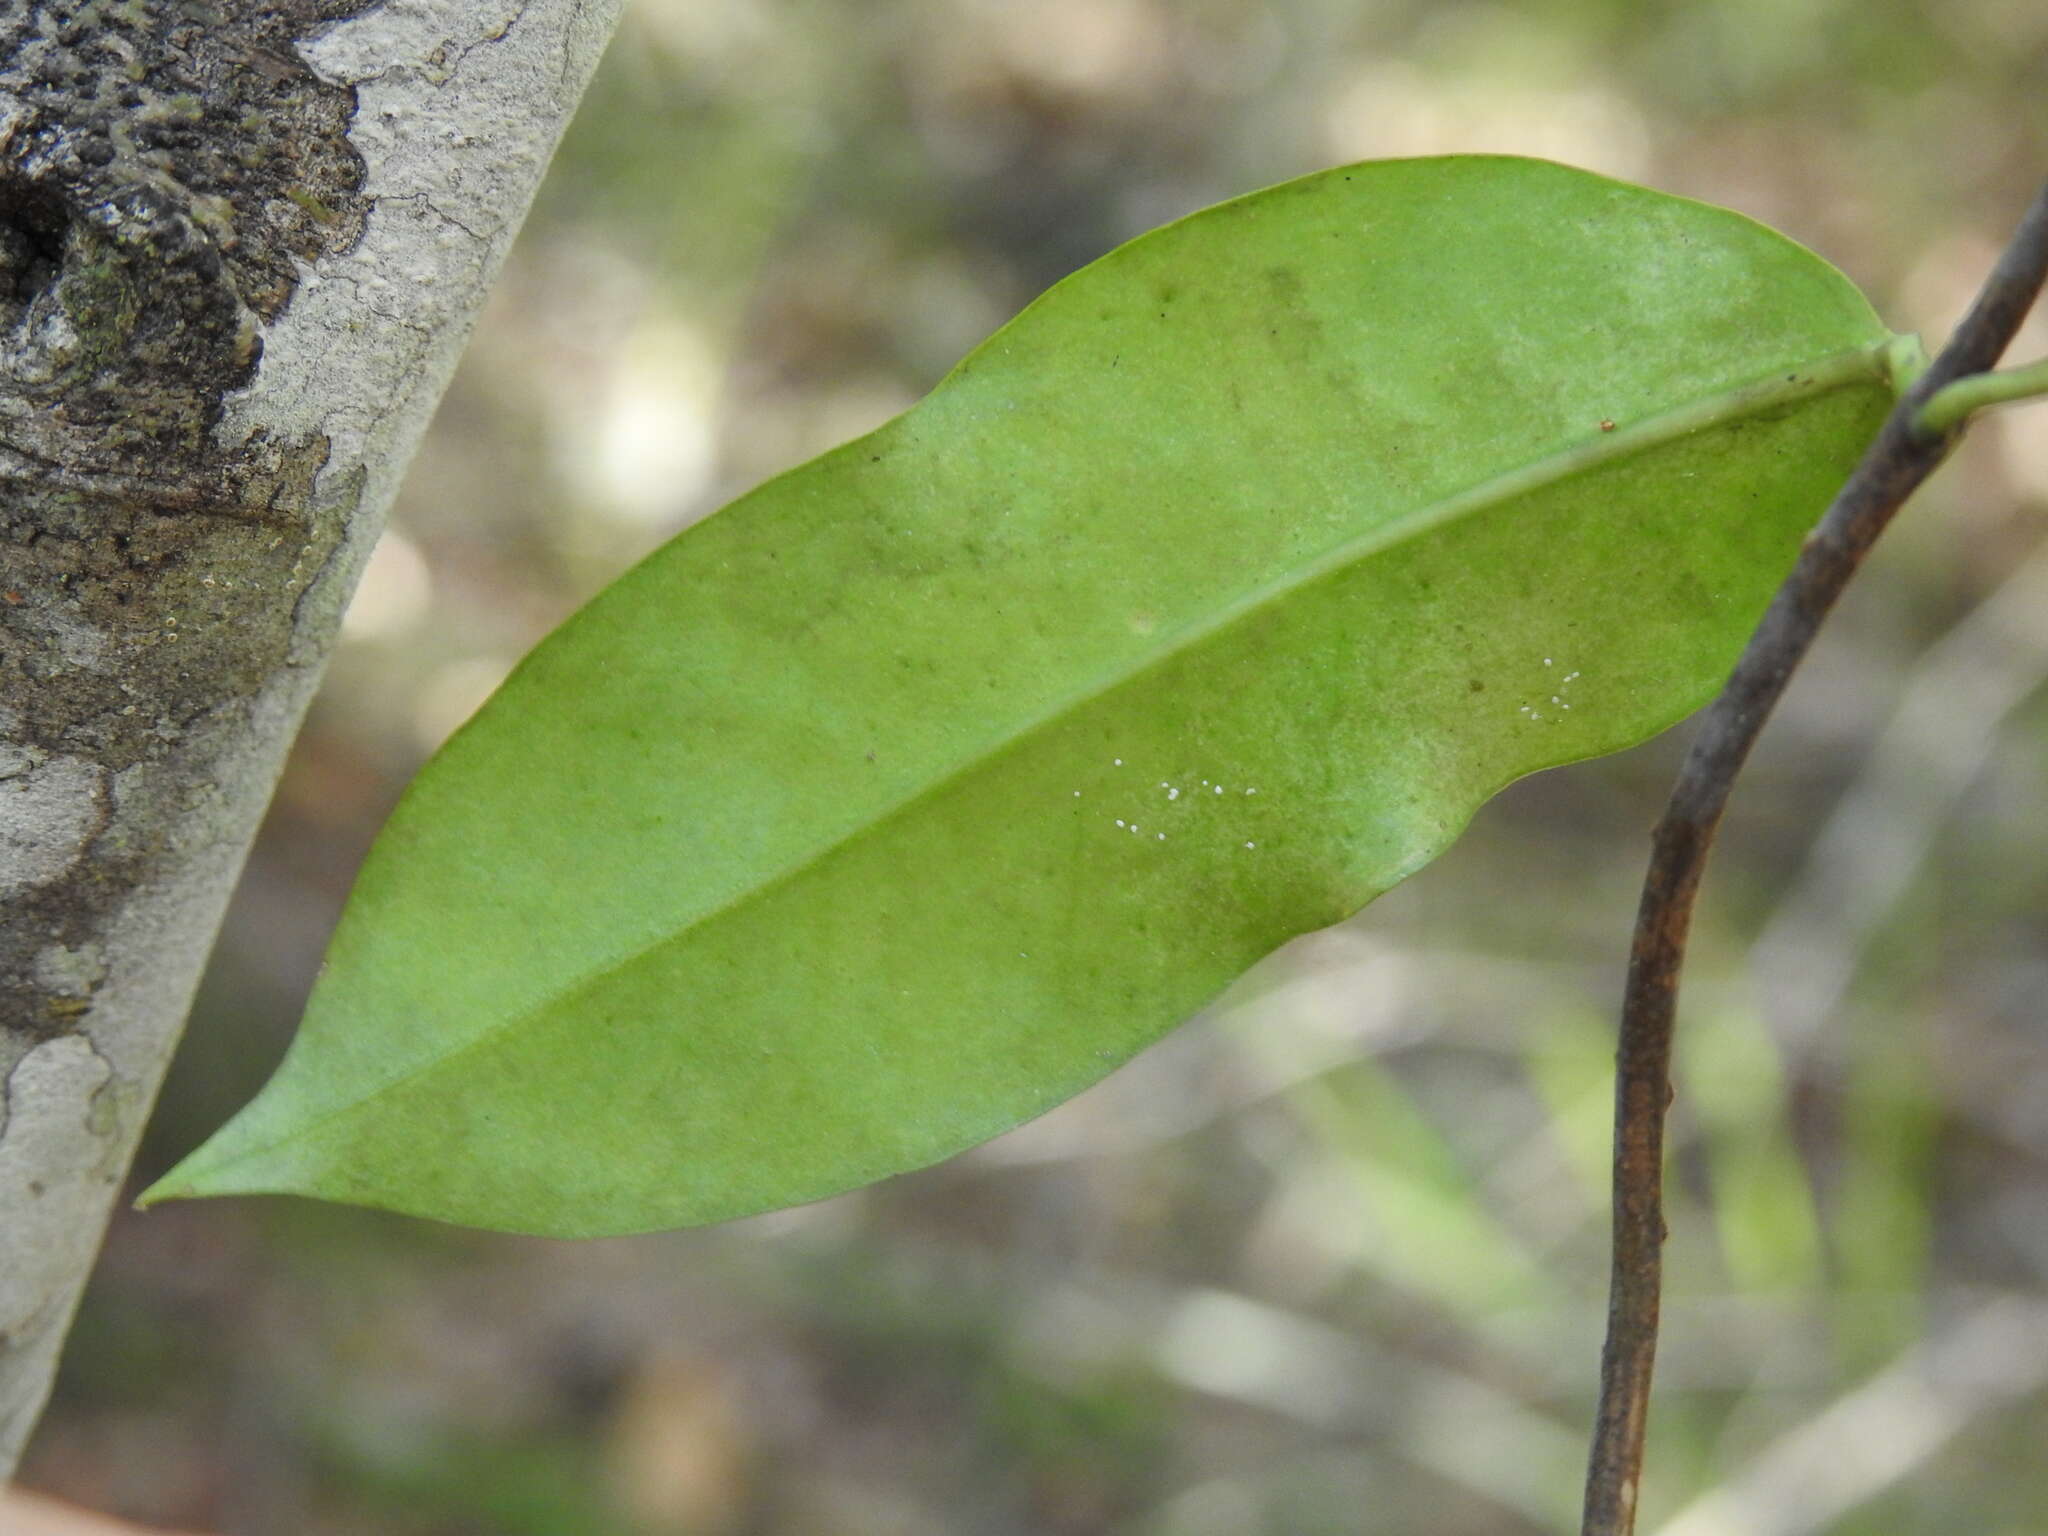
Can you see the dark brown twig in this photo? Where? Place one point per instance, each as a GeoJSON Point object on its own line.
{"type": "Point", "coordinates": [1899, 459]}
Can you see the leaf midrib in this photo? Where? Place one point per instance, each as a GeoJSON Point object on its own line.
{"type": "Point", "coordinates": [1784, 385]}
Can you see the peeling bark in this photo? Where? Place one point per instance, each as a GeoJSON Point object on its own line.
{"type": "Point", "coordinates": [241, 244]}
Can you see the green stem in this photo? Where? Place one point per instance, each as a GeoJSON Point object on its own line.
{"type": "Point", "coordinates": [1947, 406]}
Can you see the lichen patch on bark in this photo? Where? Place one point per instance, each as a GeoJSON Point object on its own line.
{"type": "Point", "coordinates": [50, 1149]}
{"type": "Point", "coordinates": [165, 165]}
{"type": "Point", "coordinates": [241, 242]}
{"type": "Point", "coordinates": [50, 809]}
{"type": "Point", "coordinates": [167, 169]}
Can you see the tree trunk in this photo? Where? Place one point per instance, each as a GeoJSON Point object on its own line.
{"type": "Point", "coordinates": [241, 244]}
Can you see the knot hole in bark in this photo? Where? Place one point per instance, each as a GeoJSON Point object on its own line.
{"type": "Point", "coordinates": [33, 229]}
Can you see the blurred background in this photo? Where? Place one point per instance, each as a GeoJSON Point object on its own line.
{"type": "Point", "coordinates": [1332, 1259]}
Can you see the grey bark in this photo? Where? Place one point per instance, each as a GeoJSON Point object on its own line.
{"type": "Point", "coordinates": [241, 244]}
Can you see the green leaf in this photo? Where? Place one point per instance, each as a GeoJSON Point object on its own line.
{"type": "Point", "coordinates": [1201, 604]}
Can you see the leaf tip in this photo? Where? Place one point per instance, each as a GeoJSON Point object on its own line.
{"type": "Point", "coordinates": [165, 1188]}
{"type": "Point", "coordinates": [182, 1183]}
{"type": "Point", "coordinates": [221, 1165]}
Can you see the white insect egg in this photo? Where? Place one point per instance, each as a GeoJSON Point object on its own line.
{"type": "Point", "coordinates": [1219, 789]}
{"type": "Point", "coordinates": [1119, 821]}
{"type": "Point", "coordinates": [1546, 661]}
{"type": "Point", "coordinates": [1134, 826]}
{"type": "Point", "coordinates": [1162, 837]}
{"type": "Point", "coordinates": [1173, 794]}
{"type": "Point", "coordinates": [1251, 845]}
{"type": "Point", "coordinates": [1119, 762]}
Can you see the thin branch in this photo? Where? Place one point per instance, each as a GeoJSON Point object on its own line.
{"type": "Point", "coordinates": [1900, 458]}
